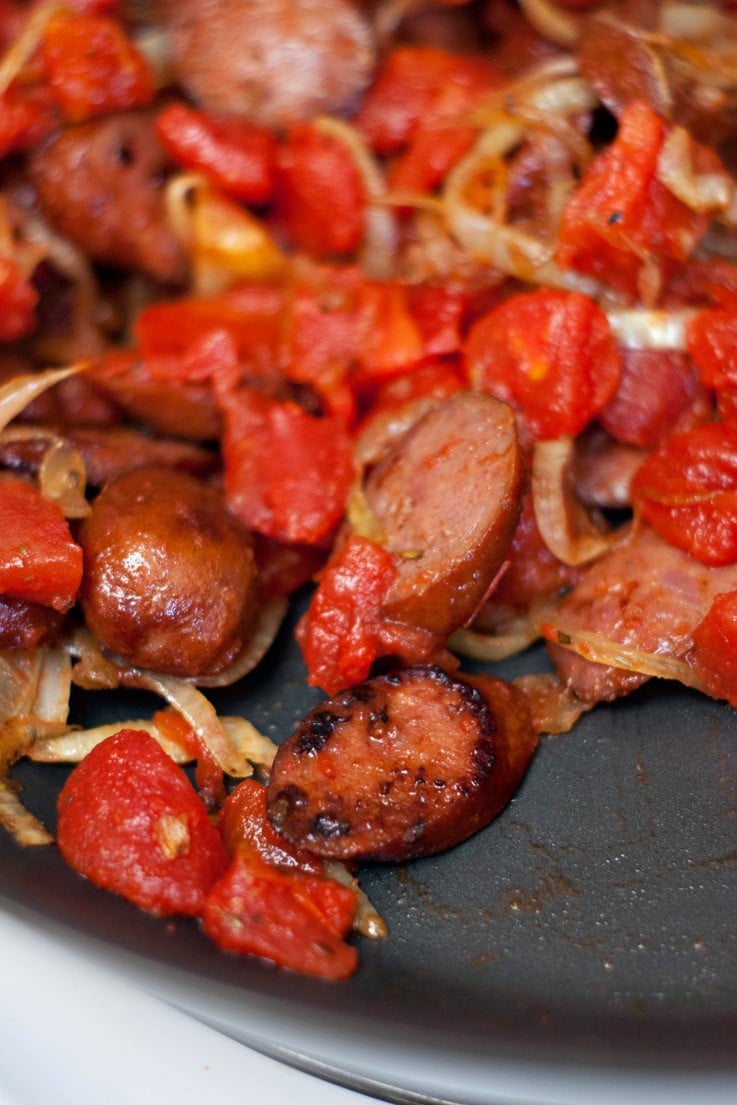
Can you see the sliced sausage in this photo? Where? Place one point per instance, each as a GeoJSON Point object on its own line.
{"type": "Point", "coordinates": [447, 499]}
{"type": "Point", "coordinates": [277, 63]}
{"type": "Point", "coordinates": [404, 765]}
{"type": "Point", "coordinates": [100, 185]}
{"type": "Point", "coordinates": [645, 594]}
{"type": "Point", "coordinates": [169, 574]}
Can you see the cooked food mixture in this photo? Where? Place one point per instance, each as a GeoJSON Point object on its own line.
{"type": "Point", "coordinates": [422, 311]}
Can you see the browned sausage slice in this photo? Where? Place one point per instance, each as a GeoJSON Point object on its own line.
{"type": "Point", "coordinates": [447, 499]}
{"type": "Point", "coordinates": [170, 580]}
{"type": "Point", "coordinates": [100, 185]}
{"type": "Point", "coordinates": [401, 766]}
{"type": "Point", "coordinates": [277, 62]}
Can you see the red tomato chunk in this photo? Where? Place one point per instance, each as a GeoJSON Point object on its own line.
{"type": "Point", "coordinates": [550, 355]}
{"type": "Point", "coordinates": [687, 491]}
{"type": "Point", "coordinates": [715, 648]}
{"type": "Point", "coordinates": [295, 920]}
{"type": "Point", "coordinates": [130, 821]}
{"type": "Point", "coordinates": [39, 561]}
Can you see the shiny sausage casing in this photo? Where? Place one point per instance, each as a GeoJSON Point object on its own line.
{"type": "Point", "coordinates": [403, 765]}
{"type": "Point", "coordinates": [447, 499]}
{"type": "Point", "coordinates": [170, 581]}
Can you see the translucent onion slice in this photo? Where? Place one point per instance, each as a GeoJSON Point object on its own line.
{"type": "Point", "coordinates": [599, 649]}
{"type": "Point", "coordinates": [26, 44]}
{"type": "Point", "coordinates": [381, 235]}
{"type": "Point", "coordinates": [62, 477]}
{"type": "Point", "coordinates": [268, 623]}
{"type": "Point", "coordinates": [709, 193]}
{"type": "Point", "coordinates": [367, 921]}
{"type": "Point", "coordinates": [484, 238]}
{"type": "Point", "coordinates": [200, 713]}
{"type": "Point", "coordinates": [514, 637]}
{"type": "Point", "coordinates": [551, 22]}
{"type": "Point", "coordinates": [360, 517]}
{"type": "Point", "coordinates": [695, 22]}
{"type": "Point", "coordinates": [51, 703]}
{"type": "Point", "coordinates": [651, 329]}
{"type": "Point", "coordinates": [16, 737]}
{"type": "Point", "coordinates": [20, 675]}
{"type": "Point", "coordinates": [22, 390]}
{"type": "Point", "coordinates": [73, 746]}
{"type": "Point", "coordinates": [565, 526]}
{"type": "Point", "coordinates": [555, 709]}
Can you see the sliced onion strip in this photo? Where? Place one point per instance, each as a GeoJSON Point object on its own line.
{"type": "Point", "coordinates": [26, 44]}
{"type": "Point", "coordinates": [599, 649]}
{"type": "Point", "coordinates": [514, 637]}
{"type": "Point", "coordinates": [637, 328]}
{"type": "Point", "coordinates": [381, 235]}
{"type": "Point", "coordinates": [268, 623]}
{"type": "Point", "coordinates": [22, 390]}
{"type": "Point", "coordinates": [367, 921]}
{"type": "Point", "coordinates": [710, 193]}
{"type": "Point", "coordinates": [62, 477]}
{"type": "Point", "coordinates": [564, 525]}
{"type": "Point", "coordinates": [73, 746]}
{"type": "Point", "coordinates": [560, 27]}
{"type": "Point", "coordinates": [555, 709]}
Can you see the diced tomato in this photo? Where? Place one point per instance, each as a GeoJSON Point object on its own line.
{"type": "Point", "coordinates": [39, 561]}
{"type": "Point", "coordinates": [431, 380]}
{"type": "Point", "coordinates": [687, 491]}
{"type": "Point", "coordinates": [711, 340]}
{"type": "Point", "coordinates": [659, 393]}
{"type": "Point", "coordinates": [243, 820]}
{"type": "Point", "coordinates": [714, 653]}
{"type": "Point", "coordinates": [18, 301]}
{"type": "Point", "coordinates": [549, 354]}
{"type": "Point", "coordinates": [432, 153]}
{"type": "Point", "coordinates": [622, 224]}
{"type": "Point", "coordinates": [287, 474]}
{"type": "Point", "coordinates": [27, 115]}
{"type": "Point", "coordinates": [421, 86]}
{"type": "Point", "coordinates": [710, 283]}
{"type": "Point", "coordinates": [320, 196]}
{"type": "Point", "coordinates": [130, 821]}
{"type": "Point", "coordinates": [172, 336]}
{"type": "Point", "coordinates": [237, 156]}
{"type": "Point", "coordinates": [289, 919]}
{"type": "Point", "coordinates": [390, 340]}
{"type": "Point", "coordinates": [438, 314]}
{"type": "Point", "coordinates": [339, 633]}
{"type": "Point", "coordinates": [93, 67]}
{"type": "Point", "coordinates": [323, 324]}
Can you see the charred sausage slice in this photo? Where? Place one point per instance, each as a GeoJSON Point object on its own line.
{"type": "Point", "coordinates": [447, 499]}
{"type": "Point", "coordinates": [404, 765]}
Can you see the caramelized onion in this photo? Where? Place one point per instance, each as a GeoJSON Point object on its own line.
{"type": "Point", "coordinates": [22, 390]}
{"type": "Point", "coordinates": [599, 649]}
{"type": "Point", "coordinates": [555, 709]}
{"type": "Point", "coordinates": [514, 637]}
{"type": "Point", "coordinates": [73, 746]}
{"type": "Point", "coordinates": [62, 477]}
{"type": "Point", "coordinates": [546, 17]}
{"type": "Point", "coordinates": [709, 193]}
{"type": "Point", "coordinates": [367, 921]}
{"type": "Point", "coordinates": [565, 527]}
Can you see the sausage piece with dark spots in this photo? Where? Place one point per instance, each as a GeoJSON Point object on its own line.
{"type": "Point", "coordinates": [100, 185]}
{"type": "Point", "coordinates": [405, 765]}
